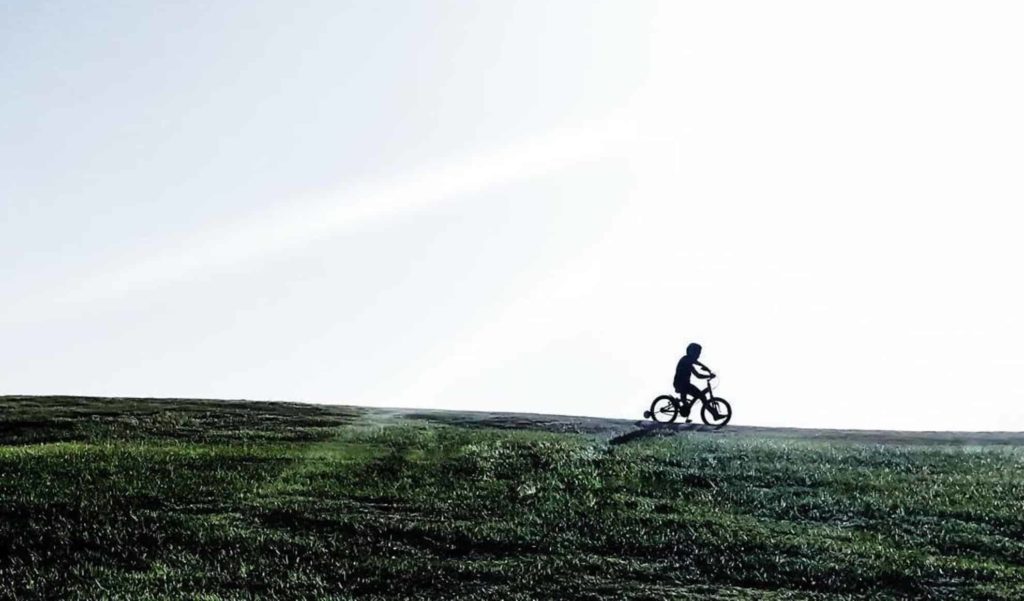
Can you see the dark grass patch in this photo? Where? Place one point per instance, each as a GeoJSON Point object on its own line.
{"type": "Point", "coordinates": [82, 419]}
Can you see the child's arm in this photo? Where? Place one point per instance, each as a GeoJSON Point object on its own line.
{"type": "Point", "coordinates": [703, 376]}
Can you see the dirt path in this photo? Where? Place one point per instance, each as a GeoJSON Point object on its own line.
{"type": "Point", "coordinates": [621, 430]}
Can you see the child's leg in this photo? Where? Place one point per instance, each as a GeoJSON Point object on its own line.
{"type": "Point", "coordinates": [697, 395]}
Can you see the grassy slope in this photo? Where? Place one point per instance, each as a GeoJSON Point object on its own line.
{"type": "Point", "coordinates": [190, 499]}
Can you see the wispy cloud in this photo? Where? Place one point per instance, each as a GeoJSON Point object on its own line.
{"type": "Point", "coordinates": [301, 222]}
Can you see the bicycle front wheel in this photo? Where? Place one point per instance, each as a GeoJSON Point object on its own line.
{"type": "Point", "coordinates": [716, 412]}
{"type": "Point", "coordinates": [664, 409]}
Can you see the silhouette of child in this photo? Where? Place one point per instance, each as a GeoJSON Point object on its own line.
{"type": "Point", "coordinates": [687, 367]}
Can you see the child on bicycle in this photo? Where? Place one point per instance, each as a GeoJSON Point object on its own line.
{"type": "Point", "coordinates": [687, 367]}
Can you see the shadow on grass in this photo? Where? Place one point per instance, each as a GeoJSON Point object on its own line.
{"type": "Point", "coordinates": [654, 429]}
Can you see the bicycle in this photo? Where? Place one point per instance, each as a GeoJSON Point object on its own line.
{"type": "Point", "coordinates": [714, 411]}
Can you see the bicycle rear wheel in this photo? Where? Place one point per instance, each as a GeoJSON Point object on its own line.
{"type": "Point", "coordinates": [664, 409]}
{"type": "Point", "coordinates": [716, 412]}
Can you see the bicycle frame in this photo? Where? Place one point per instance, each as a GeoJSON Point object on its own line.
{"type": "Point", "coordinates": [709, 395]}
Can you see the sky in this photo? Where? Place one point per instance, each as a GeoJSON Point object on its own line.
{"type": "Point", "coordinates": [527, 206]}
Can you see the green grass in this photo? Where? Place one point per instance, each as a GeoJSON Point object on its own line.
{"type": "Point", "coordinates": [186, 499]}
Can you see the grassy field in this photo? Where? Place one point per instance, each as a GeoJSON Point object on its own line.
{"type": "Point", "coordinates": [142, 499]}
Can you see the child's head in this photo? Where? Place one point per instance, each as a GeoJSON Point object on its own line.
{"type": "Point", "coordinates": [693, 350]}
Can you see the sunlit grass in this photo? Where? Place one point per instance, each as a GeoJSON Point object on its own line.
{"type": "Point", "coordinates": [192, 500]}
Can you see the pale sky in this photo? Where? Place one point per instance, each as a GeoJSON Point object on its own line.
{"type": "Point", "coordinates": [519, 206]}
